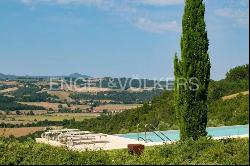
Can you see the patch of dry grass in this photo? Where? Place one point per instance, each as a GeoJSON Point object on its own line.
{"type": "Point", "coordinates": [63, 95]}
{"type": "Point", "coordinates": [9, 90]}
{"type": "Point", "coordinates": [117, 107]}
{"type": "Point", "coordinates": [235, 95]}
{"type": "Point", "coordinates": [46, 105]}
{"type": "Point", "coordinates": [18, 132]}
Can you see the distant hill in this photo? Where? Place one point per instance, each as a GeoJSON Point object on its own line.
{"type": "Point", "coordinates": [3, 76]}
{"type": "Point", "coordinates": [77, 75]}
{"type": "Point", "coordinates": [12, 77]}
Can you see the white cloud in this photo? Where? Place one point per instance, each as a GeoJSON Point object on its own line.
{"type": "Point", "coordinates": [97, 3]}
{"type": "Point", "coordinates": [100, 2]}
{"type": "Point", "coordinates": [160, 2]}
{"type": "Point", "coordinates": [157, 27]}
{"type": "Point", "coordinates": [240, 16]}
{"type": "Point", "coordinates": [127, 9]}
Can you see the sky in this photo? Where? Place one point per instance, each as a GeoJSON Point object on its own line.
{"type": "Point", "coordinates": [118, 38]}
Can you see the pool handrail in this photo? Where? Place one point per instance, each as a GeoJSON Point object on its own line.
{"type": "Point", "coordinates": [146, 126]}
{"type": "Point", "coordinates": [146, 140]}
{"type": "Point", "coordinates": [165, 136]}
{"type": "Point", "coordinates": [159, 136]}
{"type": "Point", "coordinates": [160, 132]}
{"type": "Point", "coordinates": [138, 137]}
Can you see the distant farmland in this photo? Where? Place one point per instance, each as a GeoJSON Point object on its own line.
{"type": "Point", "coordinates": [54, 106]}
{"type": "Point", "coordinates": [18, 132]}
{"type": "Point", "coordinates": [8, 90]}
{"type": "Point", "coordinates": [53, 117]}
{"type": "Point", "coordinates": [117, 107]}
{"type": "Point", "coordinates": [63, 95]}
{"type": "Point", "coordinates": [45, 105]}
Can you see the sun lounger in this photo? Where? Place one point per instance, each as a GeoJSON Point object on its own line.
{"type": "Point", "coordinates": [77, 142]}
{"type": "Point", "coordinates": [81, 138]}
{"type": "Point", "coordinates": [101, 141]}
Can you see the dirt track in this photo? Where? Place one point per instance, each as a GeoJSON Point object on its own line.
{"type": "Point", "coordinates": [235, 95]}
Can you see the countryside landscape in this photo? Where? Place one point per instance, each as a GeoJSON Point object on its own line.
{"type": "Point", "coordinates": [72, 101]}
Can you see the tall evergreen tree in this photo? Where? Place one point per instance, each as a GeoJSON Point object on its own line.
{"type": "Point", "coordinates": [194, 67]}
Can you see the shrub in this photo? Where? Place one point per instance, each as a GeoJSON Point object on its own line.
{"type": "Point", "coordinates": [202, 151]}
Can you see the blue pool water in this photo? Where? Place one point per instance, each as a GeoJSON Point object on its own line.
{"type": "Point", "coordinates": [174, 135]}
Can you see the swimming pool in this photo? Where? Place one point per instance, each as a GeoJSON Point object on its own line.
{"type": "Point", "coordinates": [174, 135]}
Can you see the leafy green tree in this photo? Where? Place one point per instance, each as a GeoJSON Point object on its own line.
{"type": "Point", "coordinates": [238, 73]}
{"type": "Point", "coordinates": [18, 112]}
{"type": "Point", "coordinates": [31, 113]}
{"type": "Point", "coordinates": [192, 72]}
{"type": "Point", "coordinates": [105, 111]}
{"type": "Point", "coordinates": [51, 110]}
{"type": "Point", "coordinates": [60, 106]}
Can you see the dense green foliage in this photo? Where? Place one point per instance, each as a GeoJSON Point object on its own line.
{"type": "Point", "coordinates": [29, 93]}
{"type": "Point", "coordinates": [9, 104]}
{"type": "Point", "coordinates": [203, 151]}
{"type": "Point", "coordinates": [194, 66]}
{"type": "Point", "coordinates": [32, 136]}
{"type": "Point", "coordinates": [218, 89]}
{"type": "Point", "coordinates": [2, 87]}
{"type": "Point", "coordinates": [32, 94]}
{"type": "Point", "coordinates": [44, 123]}
{"type": "Point", "coordinates": [67, 110]}
{"type": "Point", "coordinates": [229, 112]}
{"type": "Point", "coordinates": [232, 84]}
{"type": "Point", "coordinates": [238, 73]}
{"type": "Point", "coordinates": [160, 112]}
{"type": "Point", "coordinates": [119, 97]}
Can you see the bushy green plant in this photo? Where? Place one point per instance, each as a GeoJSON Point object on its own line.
{"type": "Point", "coordinates": [229, 112]}
{"type": "Point", "coordinates": [238, 73]}
{"type": "Point", "coordinates": [202, 151]}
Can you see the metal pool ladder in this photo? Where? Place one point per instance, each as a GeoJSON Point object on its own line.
{"type": "Point", "coordinates": [162, 136]}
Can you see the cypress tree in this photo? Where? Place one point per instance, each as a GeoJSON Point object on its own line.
{"type": "Point", "coordinates": [192, 72]}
